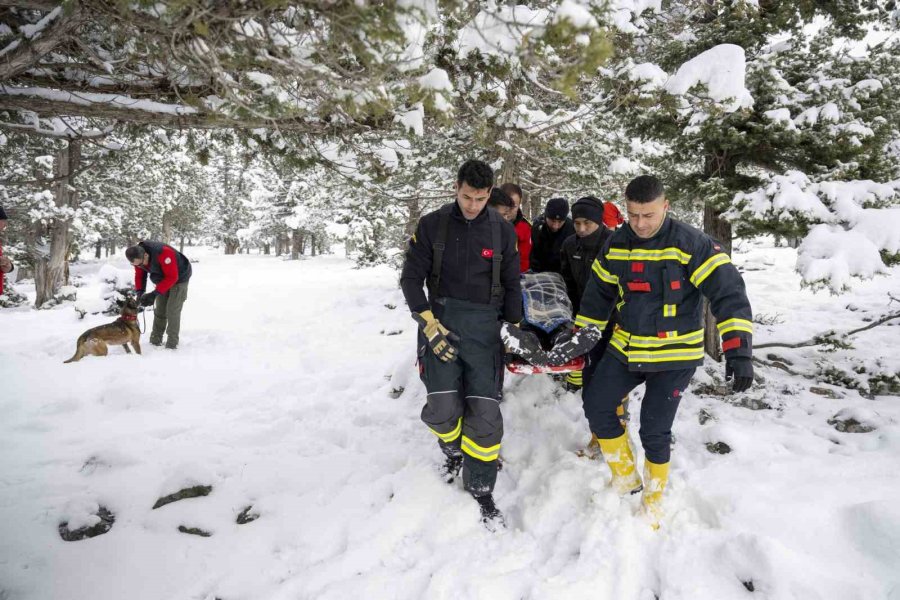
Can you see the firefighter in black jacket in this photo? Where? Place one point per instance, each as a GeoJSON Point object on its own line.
{"type": "Point", "coordinates": [577, 255]}
{"type": "Point", "coordinates": [466, 255]}
{"type": "Point", "coordinates": [547, 235]}
{"type": "Point", "coordinates": [655, 269]}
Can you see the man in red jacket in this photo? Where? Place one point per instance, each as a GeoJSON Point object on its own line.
{"type": "Point", "coordinates": [6, 265]}
{"type": "Point", "coordinates": [523, 227]}
{"type": "Point", "coordinates": [170, 271]}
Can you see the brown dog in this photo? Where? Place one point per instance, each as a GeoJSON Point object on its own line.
{"type": "Point", "coordinates": [96, 341]}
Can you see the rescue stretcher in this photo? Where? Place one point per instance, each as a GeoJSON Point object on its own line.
{"type": "Point", "coordinates": [546, 341]}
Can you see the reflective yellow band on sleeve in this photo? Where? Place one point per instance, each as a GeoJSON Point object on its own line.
{"type": "Point", "coordinates": [449, 437]}
{"type": "Point", "coordinates": [735, 325]}
{"type": "Point", "coordinates": [480, 452]}
{"type": "Point", "coordinates": [603, 274]}
{"type": "Point", "coordinates": [706, 269]}
{"type": "Point", "coordinates": [583, 321]}
{"type": "Point", "coordinates": [669, 310]}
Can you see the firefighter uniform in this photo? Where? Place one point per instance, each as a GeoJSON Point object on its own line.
{"type": "Point", "coordinates": [471, 268]}
{"type": "Point", "coordinates": [656, 284]}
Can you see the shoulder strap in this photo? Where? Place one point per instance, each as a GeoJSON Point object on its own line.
{"type": "Point", "coordinates": [496, 259]}
{"type": "Point", "coordinates": [437, 256]}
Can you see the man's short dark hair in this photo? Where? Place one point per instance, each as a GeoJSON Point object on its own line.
{"type": "Point", "coordinates": [478, 174]}
{"type": "Point", "coordinates": [500, 198]}
{"type": "Point", "coordinates": [644, 189]}
{"type": "Point", "coordinates": [135, 252]}
{"type": "Point", "coordinates": [512, 188]}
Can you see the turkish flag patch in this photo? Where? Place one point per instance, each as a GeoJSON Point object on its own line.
{"type": "Point", "coordinates": [487, 253]}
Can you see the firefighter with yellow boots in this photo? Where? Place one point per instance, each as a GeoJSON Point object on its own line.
{"type": "Point", "coordinates": [657, 270]}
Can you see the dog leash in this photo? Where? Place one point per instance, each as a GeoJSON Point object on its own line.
{"type": "Point", "coordinates": [144, 316]}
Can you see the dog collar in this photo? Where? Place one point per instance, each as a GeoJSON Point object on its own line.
{"type": "Point", "coordinates": [128, 317]}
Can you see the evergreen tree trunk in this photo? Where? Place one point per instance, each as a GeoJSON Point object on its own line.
{"type": "Point", "coordinates": [312, 243]}
{"type": "Point", "coordinates": [267, 248]}
{"type": "Point", "coordinates": [296, 241]}
{"type": "Point", "coordinates": [181, 245]}
{"type": "Point", "coordinates": [50, 258]}
{"type": "Point", "coordinates": [415, 213]}
{"type": "Point", "coordinates": [98, 249]}
{"type": "Point", "coordinates": [167, 227]}
{"type": "Point", "coordinates": [723, 166]}
{"type": "Point", "coordinates": [721, 231]}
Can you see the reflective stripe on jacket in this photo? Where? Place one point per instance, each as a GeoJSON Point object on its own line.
{"type": "Point", "coordinates": [657, 285]}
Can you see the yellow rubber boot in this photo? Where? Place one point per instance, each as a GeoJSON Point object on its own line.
{"type": "Point", "coordinates": [655, 479]}
{"type": "Point", "coordinates": [620, 459]}
{"type": "Point", "coordinates": [620, 412]}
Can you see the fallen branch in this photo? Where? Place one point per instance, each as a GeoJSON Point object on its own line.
{"type": "Point", "coordinates": [829, 337]}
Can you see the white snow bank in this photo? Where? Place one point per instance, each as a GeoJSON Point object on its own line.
{"type": "Point", "coordinates": [863, 219]}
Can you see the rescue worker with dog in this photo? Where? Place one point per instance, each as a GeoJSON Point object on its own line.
{"type": "Point", "coordinates": [170, 271]}
{"type": "Point", "coordinates": [655, 269]}
{"type": "Point", "coordinates": [465, 253]}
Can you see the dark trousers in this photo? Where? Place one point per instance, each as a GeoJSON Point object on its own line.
{"type": "Point", "coordinates": [612, 381]}
{"type": "Point", "coordinates": [463, 407]}
{"type": "Point", "coordinates": [167, 315]}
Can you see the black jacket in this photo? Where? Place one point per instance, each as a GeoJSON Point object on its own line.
{"type": "Point", "coordinates": [657, 284]}
{"type": "Point", "coordinates": [576, 258]}
{"type": "Point", "coordinates": [467, 263]}
{"type": "Point", "coordinates": [546, 245]}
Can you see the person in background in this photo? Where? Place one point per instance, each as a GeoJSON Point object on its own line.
{"type": "Point", "coordinates": [522, 225]}
{"type": "Point", "coordinates": [577, 257]}
{"type": "Point", "coordinates": [549, 232]}
{"type": "Point", "coordinates": [503, 204]}
{"type": "Point", "coordinates": [170, 271]}
{"type": "Point", "coordinates": [6, 265]}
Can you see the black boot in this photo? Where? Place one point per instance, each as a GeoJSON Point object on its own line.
{"type": "Point", "coordinates": [581, 342]}
{"type": "Point", "coordinates": [449, 471]}
{"type": "Point", "coordinates": [491, 517]}
{"type": "Point", "coordinates": [523, 343]}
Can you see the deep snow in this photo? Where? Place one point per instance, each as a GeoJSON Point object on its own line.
{"type": "Point", "coordinates": [279, 397]}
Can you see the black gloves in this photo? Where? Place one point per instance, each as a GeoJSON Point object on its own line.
{"type": "Point", "coordinates": [739, 368]}
{"type": "Point", "coordinates": [149, 298]}
{"type": "Point", "coordinates": [137, 295]}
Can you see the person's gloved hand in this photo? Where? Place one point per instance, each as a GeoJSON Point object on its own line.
{"type": "Point", "coordinates": [438, 336]}
{"type": "Point", "coordinates": [149, 298]}
{"type": "Point", "coordinates": [740, 369]}
{"type": "Point", "coordinates": [138, 294]}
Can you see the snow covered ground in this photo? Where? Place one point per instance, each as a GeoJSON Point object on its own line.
{"type": "Point", "coordinates": [279, 398]}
